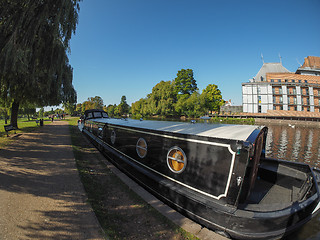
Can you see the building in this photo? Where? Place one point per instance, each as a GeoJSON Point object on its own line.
{"type": "Point", "coordinates": [227, 108]}
{"type": "Point", "coordinates": [276, 88]}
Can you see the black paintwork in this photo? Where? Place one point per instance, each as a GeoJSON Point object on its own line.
{"type": "Point", "coordinates": [198, 191]}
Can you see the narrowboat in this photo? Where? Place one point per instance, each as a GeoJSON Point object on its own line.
{"type": "Point", "coordinates": [215, 174]}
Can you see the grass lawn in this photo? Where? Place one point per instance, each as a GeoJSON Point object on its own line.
{"type": "Point", "coordinates": [24, 126]}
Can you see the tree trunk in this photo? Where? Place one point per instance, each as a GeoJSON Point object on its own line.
{"type": "Point", "coordinates": [5, 117]}
{"type": "Point", "coordinates": [14, 113]}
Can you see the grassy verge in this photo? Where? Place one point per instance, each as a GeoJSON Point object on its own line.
{"type": "Point", "coordinates": [121, 212]}
{"type": "Point", "coordinates": [24, 126]}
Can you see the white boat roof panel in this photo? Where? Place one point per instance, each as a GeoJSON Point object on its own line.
{"type": "Point", "coordinates": [224, 131]}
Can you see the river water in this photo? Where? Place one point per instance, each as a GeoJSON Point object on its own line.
{"type": "Point", "coordinates": [294, 143]}
{"type": "Point", "coordinates": [300, 144]}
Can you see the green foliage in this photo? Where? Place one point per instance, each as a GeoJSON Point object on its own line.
{"type": "Point", "coordinates": [69, 108]}
{"type": "Point", "coordinates": [110, 110]}
{"type": "Point", "coordinates": [123, 108]}
{"type": "Point", "coordinates": [34, 40]}
{"type": "Point", "coordinates": [212, 98]}
{"type": "Point", "coordinates": [178, 98]}
{"type": "Point", "coordinates": [28, 109]}
{"type": "Point", "coordinates": [185, 82]}
{"type": "Point", "coordinates": [161, 100]}
{"type": "Point", "coordinates": [92, 103]}
{"type": "Point", "coordinates": [229, 120]}
{"type": "Point", "coordinates": [41, 113]}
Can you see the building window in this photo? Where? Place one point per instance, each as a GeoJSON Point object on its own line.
{"type": "Point", "coordinates": [281, 100]}
{"type": "Point", "coordinates": [272, 80]}
{"type": "Point", "coordinates": [294, 91]}
{"type": "Point", "coordinates": [273, 91]}
{"type": "Point", "coordinates": [294, 100]}
{"type": "Point", "coordinates": [293, 80]}
{"type": "Point", "coordinates": [279, 80]}
{"type": "Point", "coordinates": [295, 108]}
{"type": "Point", "coordinates": [305, 81]}
{"type": "Point", "coordinates": [307, 91]}
{"type": "Point", "coordinates": [259, 99]}
{"type": "Point", "coordinates": [280, 90]}
{"type": "Point", "coordinates": [281, 107]}
{"type": "Point", "coordinates": [274, 99]}
{"type": "Point", "coordinates": [274, 107]}
{"type": "Point", "coordinates": [308, 101]}
{"type": "Point", "coordinates": [286, 80]}
{"type": "Point", "coordinates": [299, 81]}
{"type": "Point", "coordinates": [289, 102]}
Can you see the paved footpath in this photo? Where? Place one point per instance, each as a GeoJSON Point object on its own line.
{"type": "Point", "coordinates": [41, 196]}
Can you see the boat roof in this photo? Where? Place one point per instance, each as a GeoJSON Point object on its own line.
{"type": "Point", "coordinates": [224, 131]}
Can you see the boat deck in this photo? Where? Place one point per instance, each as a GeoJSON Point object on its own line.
{"type": "Point", "coordinates": [277, 187]}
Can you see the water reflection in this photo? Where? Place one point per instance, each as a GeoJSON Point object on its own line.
{"type": "Point", "coordinates": [300, 144]}
{"type": "Point", "coordinates": [294, 143]}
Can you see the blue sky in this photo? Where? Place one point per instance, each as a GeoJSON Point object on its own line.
{"type": "Point", "coordinates": [125, 47]}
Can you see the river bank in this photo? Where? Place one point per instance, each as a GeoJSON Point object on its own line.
{"type": "Point", "coordinates": [301, 123]}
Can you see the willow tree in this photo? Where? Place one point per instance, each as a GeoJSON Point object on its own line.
{"type": "Point", "coordinates": [34, 40]}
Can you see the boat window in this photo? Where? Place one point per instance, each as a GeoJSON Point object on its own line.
{"type": "Point", "coordinates": [89, 115]}
{"type": "Point", "coordinates": [105, 115]}
{"type": "Point", "coordinates": [97, 114]}
{"type": "Point", "coordinates": [113, 137]}
{"type": "Point", "coordinates": [141, 147]}
{"type": "Point", "coordinates": [176, 160]}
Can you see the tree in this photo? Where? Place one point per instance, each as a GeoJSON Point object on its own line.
{"type": "Point", "coordinates": [28, 109]}
{"type": "Point", "coordinates": [111, 109]}
{"type": "Point", "coordinates": [123, 107]}
{"type": "Point", "coordinates": [79, 108]}
{"type": "Point", "coordinates": [211, 98]}
{"type": "Point", "coordinates": [185, 82]}
{"type": "Point", "coordinates": [162, 98]}
{"type": "Point", "coordinates": [92, 103]}
{"type": "Point", "coordinates": [5, 110]}
{"type": "Point", "coordinates": [69, 108]}
{"type": "Point", "coordinates": [34, 40]}
{"type": "Point", "coordinates": [96, 102]}
{"type": "Point", "coordinates": [138, 108]}
{"type": "Point", "coordinates": [41, 113]}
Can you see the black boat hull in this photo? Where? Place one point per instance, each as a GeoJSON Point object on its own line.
{"type": "Point", "coordinates": [216, 209]}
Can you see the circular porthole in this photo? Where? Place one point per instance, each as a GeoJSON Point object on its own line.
{"type": "Point", "coordinates": [141, 148]}
{"type": "Point", "coordinates": [113, 137]}
{"type": "Point", "coordinates": [176, 159]}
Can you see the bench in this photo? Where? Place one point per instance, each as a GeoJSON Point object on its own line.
{"type": "Point", "coordinates": [9, 128]}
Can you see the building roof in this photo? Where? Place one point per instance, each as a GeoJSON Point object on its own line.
{"type": "Point", "coordinates": [311, 62]}
{"type": "Point", "coordinates": [311, 66]}
{"type": "Point", "coordinates": [269, 68]}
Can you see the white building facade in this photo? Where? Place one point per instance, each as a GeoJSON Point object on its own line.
{"type": "Point", "coordinates": [275, 88]}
